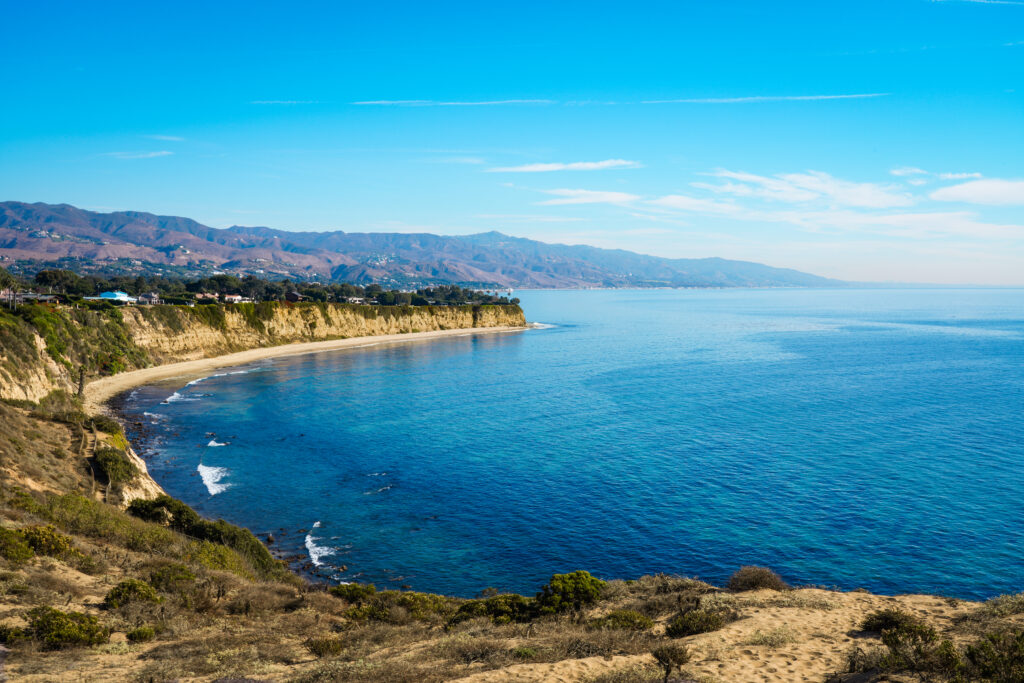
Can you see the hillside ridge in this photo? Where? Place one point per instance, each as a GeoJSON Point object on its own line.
{"type": "Point", "coordinates": [37, 236]}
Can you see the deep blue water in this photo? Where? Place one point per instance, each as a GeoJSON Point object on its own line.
{"type": "Point", "coordinates": [857, 438]}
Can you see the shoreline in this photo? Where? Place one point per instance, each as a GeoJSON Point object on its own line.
{"type": "Point", "coordinates": [100, 392]}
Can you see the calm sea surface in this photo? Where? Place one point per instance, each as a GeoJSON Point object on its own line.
{"type": "Point", "coordinates": [858, 438]}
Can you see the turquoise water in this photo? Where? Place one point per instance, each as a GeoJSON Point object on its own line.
{"type": "Point", "coordinates": [857, 438]}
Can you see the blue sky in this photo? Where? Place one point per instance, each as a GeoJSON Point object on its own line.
{"type": "Point", "coordinates": [875, 141]}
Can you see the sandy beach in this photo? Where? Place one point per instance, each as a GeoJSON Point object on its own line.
{"type": "Point", "coordinates": [98, 392]}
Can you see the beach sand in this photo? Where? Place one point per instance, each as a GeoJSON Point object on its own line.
{"type": "Point", "coordinates": [98, 392]}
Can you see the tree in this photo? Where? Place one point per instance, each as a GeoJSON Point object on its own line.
{"type": "Point", "coordinates": [670, 657]}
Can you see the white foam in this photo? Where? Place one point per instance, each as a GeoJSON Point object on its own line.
{"type": "Point", "coordinates": [541, 326]}
{"type": "Point", "coordinates": [214, 443]}
{"type": "Point", "coordinates": [153, 416]}
{"type": "Point", "coordinates": [175, 397]}
{"type": "Point", "coordinates": [317, 552]}
{"type": "Point", "coordinates": [212, 476]}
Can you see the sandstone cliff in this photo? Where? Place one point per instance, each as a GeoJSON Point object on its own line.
{"type": "Point", "coordinates": [43, 349]}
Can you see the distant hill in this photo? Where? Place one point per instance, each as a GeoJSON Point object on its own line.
{"type": "Point", "coordinates": [36, 236]}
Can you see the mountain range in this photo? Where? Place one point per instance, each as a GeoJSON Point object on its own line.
{"type": "Point", "coordinates": [37, 236]}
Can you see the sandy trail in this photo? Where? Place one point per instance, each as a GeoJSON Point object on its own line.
{"type": "Point", "coordinates": [98, 392]}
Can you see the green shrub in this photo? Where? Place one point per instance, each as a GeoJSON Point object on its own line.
{"type": "Point", "coordinates": [55, 629]}
{"type": "Point", "coordinates": [46, 540]}
{"type": "Point", "coordinates": [401, 606]}
{"type": "Point", "coordinates": [130, 590]}
{"type": "Point", "coordinates": [696, 621]}
{"type": "Point", "coordinates": [14, 548]}
{"type": "Point", "coordinates": [325, 647]}
{"type": "Point", "coordinates": [500, 609]}
{"type": "Point", "coordinates": [623, 619]}
{"type": "Point", "coordinates": [353, 593]}
{"type": "Point", "coordinates": [171, 577]}
{"type": "Point", "coordinates": [998, 656]}
{"type": "Point", "coordinates": [756, 578]}
{"type": "Point", "coordinates": [216, 556]}
{"type": "Point", "coordinates": [142, 634]}
{"type": "Point", "coordinates": [105, 424]}
{"type": "Point", "coordinates": [115, 465]}
{"type": "Point", "coordinates": [569, 592]}
{"type": "Point", "coordinates": [523, 652]}
{"type": "Point", "coordinates": [887, 619]}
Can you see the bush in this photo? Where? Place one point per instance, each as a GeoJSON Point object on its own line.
{"type": "Point", "coordinates": [998, 656]}
{"type": "Point", "coordinates": [325, 647]}
{"type": "Point", "coordinates": [696, 621]}
{"type": "Point", "coordinates": [171, 577]}
{"type": "Point", "coordinates": [399, 607]}
{"type": "Point", "coordinates": [181, 517]}
{"type": "Point", "coordinates": [142, 634]}
{"type": "Point", "coordinates": [105, 424]}
{"type": "Point", "coordinates": [130, 590]}
{"type": "Point", "coordinates": [756, 578]}
{"type": "Point", "coordinates": [46, 540]}
{"type": "Point", "coordinates": [523, 652]}
{"type": "Point", "coordinates": [569, 592]}
{"type": "Point", "coordinates": [887, 619]}
{"type": "Point", "coordinates": [670, 657]}
{"type": "Point", "coordinates": [115, 465]}
{"type": "Point", "coordinates": [623, 619]}
{"type": "Point", "coordinates": [500, 609]}
{"type": "Point", "coordinates": [353, 593]}
{"type": "Point", "coordinates": [14, 548]}
{"type": "Point", "coordinates": [55, 629]}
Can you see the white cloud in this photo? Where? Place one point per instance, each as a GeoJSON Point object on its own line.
{"type": "Point", "coordinates": [165, 138]}
{"type": "Point", "coordinates": [572, 166]}
{"type": "Point", "coordinates": [138, 155]}
{"type": "Point", "coordinates": [994, 191]}
{"type": "Point", "coordinates": [565, 196]}
{"type": "Point", "coordinates": [687, 203]}
{"type": "Point", "coordinates": [809, 186]}
{"type": "Point", "coordinates": [766, 98]}
{"type": "Point", "coordinates": [437, 103]}
{"type": "Point", "coordinates": [958, 176]}
{"type": "Point", "coordinates": [908, 170]}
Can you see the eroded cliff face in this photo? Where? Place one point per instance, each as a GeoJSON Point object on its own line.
{"type": "Point", "coordinates": [175, 334]}
{"type": "Point", "coordinates": [46, 349]}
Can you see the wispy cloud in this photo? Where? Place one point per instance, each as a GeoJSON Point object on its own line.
{"type": "Point", "coordinates": [994, 191]}
{"type": "Point", "coordinates": [985, 2]}
{"type": "Point", "coordinates": [441, 103]}
{"type": "Point", "coordinates": [138, 155]}
{"type": "Point", "coordinates": [572, 166]}
{"type": "Point", "coordinates": [908, 170]}
{"type": "Point", "coordinates": [565, 196]}
{"type": "Point", "coordinates": [766, 98]}
{"type": "Point", "coordinates": [958, 176]}
{"type": "Point", "coordinates": [165, 138]}
{"type": "Point", "coordinates": [807, 187]}
{"type": "Point", "coordinates": [285, 102]}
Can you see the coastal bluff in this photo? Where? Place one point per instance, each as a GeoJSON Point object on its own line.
{"type": "Point", "coordinates": [43, 349]}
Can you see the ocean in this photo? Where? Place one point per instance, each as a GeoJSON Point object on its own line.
{"type": "Point", "coordinates": [857, 438]}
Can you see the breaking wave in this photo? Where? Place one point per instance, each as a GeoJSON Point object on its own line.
{"type": "Point", "coordinates": [212, 476]}
{"type": "Point", "coordinates": [317, 552]}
